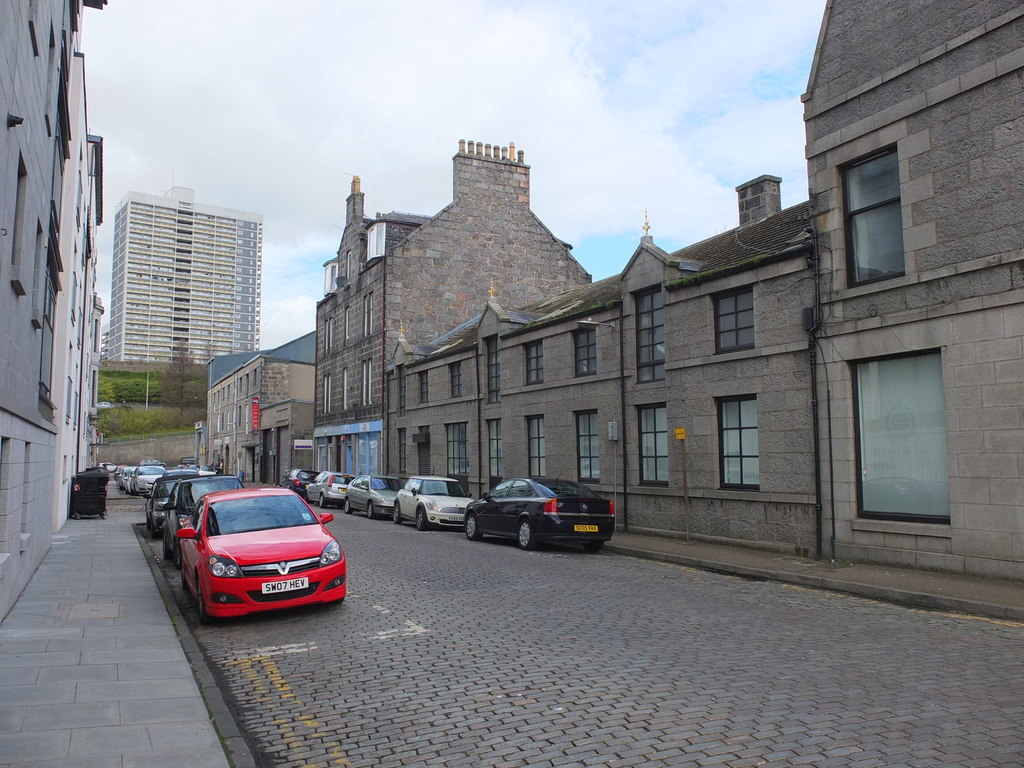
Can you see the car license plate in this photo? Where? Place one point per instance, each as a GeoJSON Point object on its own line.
{"type": "Point", "coordinates": [453, 519]}
{"type": "Point", "coordinates": [585, 528]}
{"type": "Point", "coordinates": [288, 585]}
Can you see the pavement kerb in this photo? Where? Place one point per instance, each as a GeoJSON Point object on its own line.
{"type": "Point", "coordinates": [869, 591]}
{"type": "Point", "coordinates": [236, 749]}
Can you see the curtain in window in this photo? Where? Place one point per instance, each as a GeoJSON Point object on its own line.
{"type": "Point", "coordinates": [902, 426]}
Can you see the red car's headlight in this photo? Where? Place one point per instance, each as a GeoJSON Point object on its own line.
{"type": "Point", "coordinates": [331, 554]}
{"type": "Point", "coordinates": [223, 567]}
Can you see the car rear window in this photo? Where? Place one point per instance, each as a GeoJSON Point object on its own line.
{"type": "Point", "coordinates": [258, 513]}
{"type": "Point", "coordinates": [304, 475]}
{"type": "Point", "coordinates": [151, 470]}
{"type": "Point", "coordinates": [385, 484]}
{"type": "Point", "coordinates": [566, 488]}
{"type": "Point", "coordinates": [214, 483]}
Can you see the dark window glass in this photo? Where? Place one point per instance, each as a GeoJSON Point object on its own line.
{"type": "Point", "coordinates": [401, 391]}
{"type": "Point", "coordinates": [536, 445]}
{"type": "Point", "coordinates": [493, 370]}
{"type": "Point", "coordinates": [455, 378]}
{"type": "Point", "coordinates": [424, 387]}
{"type": "Point", "coordinates": [653, 422]}
{"type": "Point", "coordinates": [588, 446]}
{"type": "Point", "coordinates": [458, 455]}
{"type": "Point", "coordinates": [734, 320]}
{"type": "Point", "coordinates": [650, 336]}
{"type": "Point", "coordinates": [874, 221]}
{"type": "Point", "coordinates": [534, 362]}
{"type": "Point", "coordinates": [585, 347]}
{"type": "Point", "coordinates": [738, 445]}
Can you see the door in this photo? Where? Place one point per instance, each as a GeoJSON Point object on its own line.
{"type": "Point", "coordinates": [487, 513]}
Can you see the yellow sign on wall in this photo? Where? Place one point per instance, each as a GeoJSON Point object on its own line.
{"type": "Point", "coordinates": [680, 433]}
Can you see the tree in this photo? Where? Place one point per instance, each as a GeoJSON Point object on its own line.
{"type": "Point", "coordinates": [183, 384]}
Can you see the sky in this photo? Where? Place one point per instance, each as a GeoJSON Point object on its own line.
{"type": "Point", "coordinates": [622, 109]}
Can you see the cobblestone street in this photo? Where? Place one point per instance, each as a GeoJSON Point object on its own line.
{"type": "Point", "coordinates": [456, 653]}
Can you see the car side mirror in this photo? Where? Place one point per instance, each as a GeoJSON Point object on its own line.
{"type": "Point", "coordinates": [166, 505]}
{"type": "Point", "coordinates": [326, 517]}
{"type": "Point", "coordinates": [186, 532]}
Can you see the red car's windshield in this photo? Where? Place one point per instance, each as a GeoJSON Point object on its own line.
{"type": "Point", "coordinates": [257, 514]}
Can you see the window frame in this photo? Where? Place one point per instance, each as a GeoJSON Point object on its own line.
{"type": "Point", "coordinates": [494, 448]}
{"type": "Point", "coordinates": [457, 448]}
{"type": "Point", "coordinates": [585, 354]}
{"type": "Point", "coordinates": [367, 383]}
{"type": "Point", "coordinates": [493, 357]}
{"type": "Point", "coordinates": [402, 391]}
{"type": "Point", "coordinates": [650, 335]}
{"type": "Point", "coordinates": [721, 404]}
{"type": "Point", "coordinates": [588, 446]}
{"type": "Point", "coordinates": [652, 445]}
{"type": "Point", "coordinates": [894, 420]}
{"type": "Point", "coordinates": [423, 384]}
{"type": "Point", "coordinates": [536, 446]}
{"type": "Point", "coordinates": [534, 361]}
{"type": "Point", "coordinates": [455, 378]}
{"type": "Point", "coordinates": [850, 215]}
{"type": "Point", "coordinates": [737, 315]}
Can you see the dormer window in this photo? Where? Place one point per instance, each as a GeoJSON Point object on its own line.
{"type": "Point", "coordinates": [375, 241]}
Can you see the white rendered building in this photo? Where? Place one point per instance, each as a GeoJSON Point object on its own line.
{"type": "Point", "coordinates": [184, 273]}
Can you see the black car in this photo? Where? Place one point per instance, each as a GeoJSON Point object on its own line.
{"type": "Point", "coordinates": [182, 504]}
{"type": "Point", "coordinates": [542, 509]}
{"type": "Point", "coordinates": [161, 492]}
{"type": "Point", "coordinates": [297, 480]}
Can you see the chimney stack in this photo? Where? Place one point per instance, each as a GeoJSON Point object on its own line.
{"type": "Point", "coordinates": [759, 198]}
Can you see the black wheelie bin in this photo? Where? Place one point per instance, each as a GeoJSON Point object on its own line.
{"type": "Point", "coordinates": [89, 493]}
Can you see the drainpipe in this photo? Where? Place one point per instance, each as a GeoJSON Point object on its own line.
{"type": "Point", "coordinates": [479, 424]}
{"type": "Point", "coordinates": [622, 418]}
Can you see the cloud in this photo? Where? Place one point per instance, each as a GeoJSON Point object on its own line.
{"type": "Point", "coordinates": [271, 107]}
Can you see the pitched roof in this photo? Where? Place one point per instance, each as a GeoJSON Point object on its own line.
{"type": "Point", "coordinates": [772, 235]}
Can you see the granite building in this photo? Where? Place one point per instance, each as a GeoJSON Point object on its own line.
{"type": "Point", "coordinates": [398, 272]}
{"type": "Point", "coordinates": [915, 147]}
{"type": "Point", "coordinates": [51, 171]}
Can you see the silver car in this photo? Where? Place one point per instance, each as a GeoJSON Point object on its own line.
{"type": "Point", "coordinates": [370, 493]}
{"type": "Point", "coordinates": [141, 481]}
{"type": "Point", "coordinates": [328, 489]}
{"type": "Point", "coordinates": [432, 501]}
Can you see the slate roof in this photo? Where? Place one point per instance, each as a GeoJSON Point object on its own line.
{"type": "Point", "coordinates": [771, 235]}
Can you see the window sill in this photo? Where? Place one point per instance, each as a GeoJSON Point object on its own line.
{"type": "Point", "coordinates": [902, 527]}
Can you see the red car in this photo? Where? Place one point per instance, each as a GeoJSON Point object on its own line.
{"type": "Point", "coordinates": [259, 549]}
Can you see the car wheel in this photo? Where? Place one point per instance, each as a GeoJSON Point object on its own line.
{"type": "Point", "coordinates": [156, 533]}
{"type": "Point", "coordinates": [526, 538]}
{"type": "Point", "coordinates": [348, 507]}
{"type": "Point", "coordinates": [177, 555]}
{"type": "Point", "coordinates": [204, 616]}
{"type": "Point", "coordinates": [472, 529]}
{"type": "Point", "coordinates": [321, 502]}
{"type": "Point", "coordinates": [370, 512]}
{"type": "Point", "coordinates": [396, 514]}
{"type": "Point", "coordinates": [167, 548]}
{"type": "Point", "coordinates": [592, 546]}
{"type": "Point", "coordinates": [421, 520]}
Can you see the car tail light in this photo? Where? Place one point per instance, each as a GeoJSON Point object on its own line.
{"type": "Point", "coordinates": [551, 507]}
{"type": "Point", "coordinates": [295, 481]}
{"type": "Point", "coordinates": [611, 507]}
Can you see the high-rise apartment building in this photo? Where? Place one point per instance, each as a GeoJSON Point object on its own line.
{"type": "Point", "coordinates": [184, 273]}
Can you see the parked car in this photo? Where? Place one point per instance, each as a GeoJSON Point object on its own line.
{"type": "Point", "coordinates": [259, 549]}
{"type": "Point", "coordinates": [143, 478]}
{"type": "Point", "coordinates": [103, 404]}
{"type": "Point", "coordinates": [369, 493]}
{"type": "Point", "coordinates": [122, 476]}
{"type": "Point", "coordinates": [328, 488]}
{"type": "Point", "coordinates": [110, 467]}
{"type": "Point", "coordinates": [206, 469]}
{"type": "Point", "coordinates": [432, 501]}
{"type": "Point", "coordinates": [297, 480]}
{"type": "Point", "coordinates": [160, 493]}
{"type": "Point", "coordinates": [542, 509]}
{"type": "Point", "coordinates": [182, 504]}
{"type": "Point", "coordinates": [151, 462]}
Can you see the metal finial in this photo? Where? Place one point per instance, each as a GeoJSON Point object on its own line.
{"type": "Point", "coordinates": [647, 223]}
{"type": "Point", "coordinates": [490, 291]}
